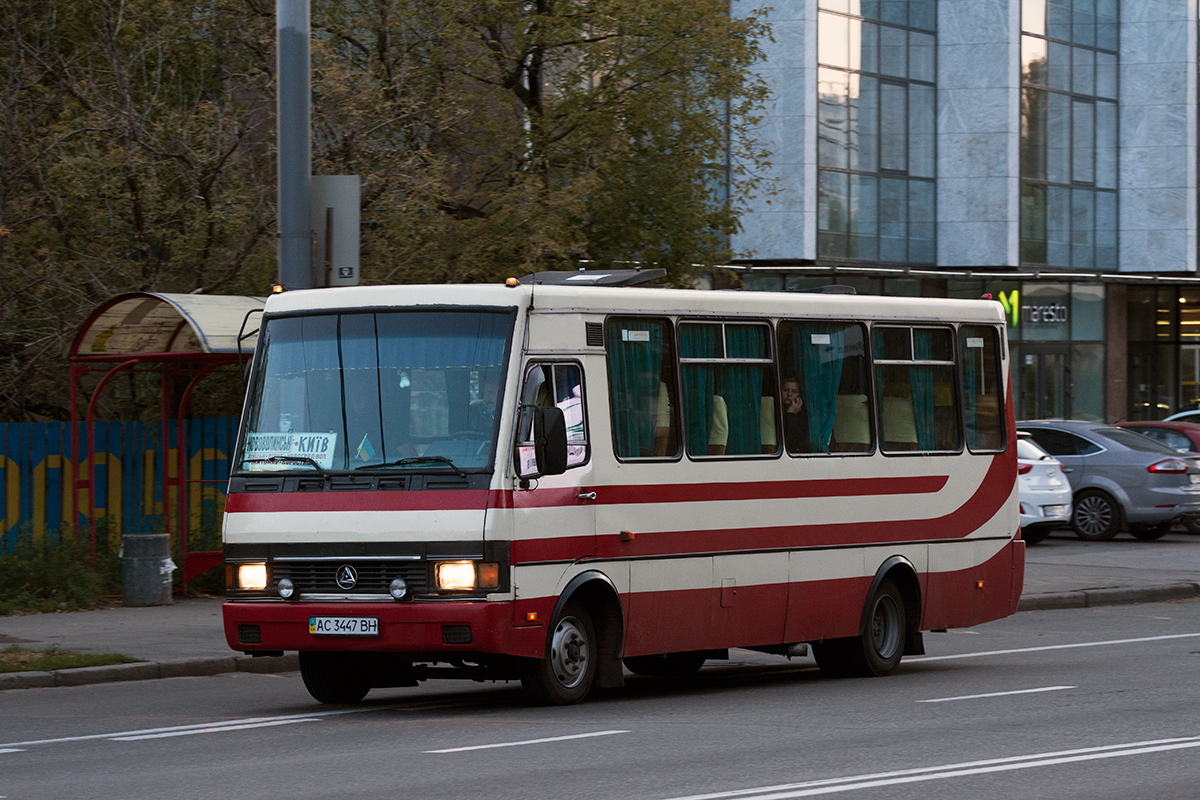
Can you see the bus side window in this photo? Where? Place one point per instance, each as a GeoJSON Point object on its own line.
{"type": "Point", "coordinates": [914, 369]}
{"type": "Point", "coordinates": [728, 387]}
{"type": "Point", "coordinates": [641, 382]}
{"type": "Point", "coordinates": [558, 385]}
{"type": "Point", "coordinates": [982, 392]}
{"type": "Point", "coordinates": [824, 388]}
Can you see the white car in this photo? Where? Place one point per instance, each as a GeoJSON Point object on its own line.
{"type": "Point", "coordinates": [1185, 416]}
{"type": "Point", "coordinates": [1044, 490]}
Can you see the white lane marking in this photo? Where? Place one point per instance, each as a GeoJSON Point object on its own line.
{"type": "Point", "coordinates": [997, 694]}
{"type": "Point", "coordinates": [11, 750]}
{"type": "Point", "coordinates": [920, 774]}
{"type": "Point", "coordinates": [527, 741]}
{"type": "Point", "coordinates": [221, 729]}
{"type": "Point", "coordinates": [118, 735]}
{"type": "Point", "coordinates": [1053, 647]}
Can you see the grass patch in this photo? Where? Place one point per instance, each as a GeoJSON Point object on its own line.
{"type": "Point", "coordinates": [55, 573]}
{"type": "Point", "coordinates": [22, 659]}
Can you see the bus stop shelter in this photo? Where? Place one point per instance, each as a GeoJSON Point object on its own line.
{"type": "Point", "coordinates": [176, 336]}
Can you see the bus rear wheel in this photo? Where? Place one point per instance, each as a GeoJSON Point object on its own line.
{"type": "Point", "coordinates": [566, 674]}
{"type": "Point", "coordinates": [333, 677]}
{"type": "Point", "coordinates": [878, 649]}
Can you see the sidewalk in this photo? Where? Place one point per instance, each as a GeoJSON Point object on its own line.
{"type": "Point", "coordinates": [187, 638]}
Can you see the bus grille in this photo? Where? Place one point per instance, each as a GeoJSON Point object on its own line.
{"type": "Point", "coordinates": [373, 576]}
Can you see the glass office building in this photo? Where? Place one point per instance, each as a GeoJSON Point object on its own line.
{"type": "Point", "coordinates": [1041, 151]}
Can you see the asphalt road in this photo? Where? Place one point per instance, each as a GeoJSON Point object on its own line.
{"type": "Point", "coordinates": [1098, 703]}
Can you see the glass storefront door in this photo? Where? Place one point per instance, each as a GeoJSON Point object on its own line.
{"type": "Point", "coordinates": [1042, 381]}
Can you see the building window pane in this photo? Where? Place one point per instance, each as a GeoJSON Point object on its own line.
{"type": "Point", "coordinates": [1058, 19]}
{"type": "Point", "coordinates": [1083, 142]}
{"type": "Point", "coordinates": [921, 57]}
{"type": "Point", "coordinates": [1106, 145]}
{"type": "Point", "coordinates": [1033, 16]}
{"type": "Point", "coordinates": [1083, 22]}
{"type": "Point", "coordinates": [921, 222]}
{"type": "Point", "coordinates": [922, 14]}
{"type": "Point", "coordinates": [833, 40]}
{"type": "Point", "coordinates": [893, 222]}
{"type": "Point", "coordinates": [1058, 226]}
{"type": "Point", "coordinates": [921, 130]}
{"type": "Point", "coordinates": [1087, 311]}
{"type": "Point", "coordinates": [1058, 138]}
{"type": "Point", "coordinates": [1033, 223]}
{"type": "Point", "coordinates": [893, 124]}
{"type": "Point", "coordinates": [894, 11]}
{"type": "Point", "coordinates": [864, 218]}
{"type": "Point", "coordinates": [1058, 69]}
{"type": "Point", "coordinates": [864, 124]}
{"type": "Point", "coordinates": [1033, 133]}
{"type": "Point", "coordinates": [832, 203]}
{"type": "Point", "coordinates": [1106, 75]}
{"type": "Point", "coordinates": [833, 97]}
{"type": "Point", "coordinates": [1106, 24]}
{"type": "Point", "coordinates": [869, 47]}
{"type": "Point", "coordinates": [1083, 227]}
{"type": "Point", "coordinates": [1106, 230]}
{"type": "Point", "coordinates": [1083, 70]}
{"type": "Point", "coordinates": [1033, 60]}
{"type": "Point", "coordinates": [893, 56]}
{"type": "Point", "coordinates": [1087, 382]}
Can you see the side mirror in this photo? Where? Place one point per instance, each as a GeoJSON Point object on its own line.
{"type": "Point", "coordinates": [546, 454]}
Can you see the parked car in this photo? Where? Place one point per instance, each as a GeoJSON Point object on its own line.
{"type": "Point", "coordinates": [1183, 437]}
{"type": "Point", "coordinates": [1119, 478]}
{"type": "Point", "coordinates": [1191, 415]}
{"type": "Point", "coordinates": [1044, 489]}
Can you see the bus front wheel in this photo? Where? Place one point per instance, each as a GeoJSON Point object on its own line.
{"type": "Point", "coordinates": [877, 650]}
{"type": "Point", "coordinates": [333, 677]}
{"type": "Point", "coordinates": [566, 674]}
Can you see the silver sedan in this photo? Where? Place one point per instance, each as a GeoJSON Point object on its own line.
{"type": "Point", "coordinates": [1119, 478]}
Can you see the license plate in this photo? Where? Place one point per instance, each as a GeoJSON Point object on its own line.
{"type": "Point", "coordinates": [1054, 511]}
{"type": "Point", "coordinates": [343, 626]}
{"type": "Point", "coordinates": [1194, 477]}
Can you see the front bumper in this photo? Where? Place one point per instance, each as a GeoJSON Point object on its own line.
{"type": "Point", "coordinates": [418, 628]}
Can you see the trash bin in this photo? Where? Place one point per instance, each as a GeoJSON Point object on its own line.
{"type": "Point", "coordinates": [147, 568]}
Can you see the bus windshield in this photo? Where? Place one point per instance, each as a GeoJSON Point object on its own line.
{"type": "Point", "coordinates": [399, 390]}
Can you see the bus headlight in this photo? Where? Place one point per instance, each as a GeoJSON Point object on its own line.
{"type": "Point", "coordinates": [464, 576]}
{"type": "Point", "coordinates": [252, 577]}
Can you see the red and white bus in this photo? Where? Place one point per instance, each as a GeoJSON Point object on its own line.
{"type": "Point", "coordinates": [555, 480]}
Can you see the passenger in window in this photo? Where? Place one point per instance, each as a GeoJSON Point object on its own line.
{"type": "Point", "coordinates": [718, 431]}
{"type": "Point", "coordinates": [795, 418]}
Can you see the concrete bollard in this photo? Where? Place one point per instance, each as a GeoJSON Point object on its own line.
{"type": "Point", "coordinates": [147, 568]}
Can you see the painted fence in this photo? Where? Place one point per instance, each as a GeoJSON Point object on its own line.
{"type": "Point", "coordinates": [36, 472]}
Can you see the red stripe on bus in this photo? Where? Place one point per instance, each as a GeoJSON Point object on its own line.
{"type": "Point", "coordinates": [437, 500]}
{"type": "Point", "coordinates": [991, 495]}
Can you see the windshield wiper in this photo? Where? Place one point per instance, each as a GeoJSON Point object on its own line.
{"type": "Point", "coordinates": [288, 460]}
{"type": "Point", "coordinates": [407, 462]}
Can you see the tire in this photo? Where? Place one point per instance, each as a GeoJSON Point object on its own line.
{"type": "Point", "coordinates": [671, 665]}
{"type": "Point", "coordinates": [1096, 517]}
{"type": "Point", "coordinates": [878, 650]}
{"type": "Point", "coordinates": [1151, 531]}
{"type": "Point", "coordinates": [333, 677]}
{"type": "Point", "coordinates": [567, 672]}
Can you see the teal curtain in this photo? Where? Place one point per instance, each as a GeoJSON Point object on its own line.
{"type": "Point", "coordinates": [699, 383]}
{"type": "Point", "coordinates": [820, 372]}
{"type": "Point", "coordinates": [921, 382]}
{"type": "Point", "coordinates": [634, 375]}
{"type": "Point", "coordinates": [741, 386]}
{"type": "Point", "coordinates": [970, 387]}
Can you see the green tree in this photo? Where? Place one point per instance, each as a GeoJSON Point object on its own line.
{"type": "Point", "coordinates": [499, 137]}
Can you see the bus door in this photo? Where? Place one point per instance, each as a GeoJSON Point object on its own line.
{"type": "Point", "coordinates": [555, 520]}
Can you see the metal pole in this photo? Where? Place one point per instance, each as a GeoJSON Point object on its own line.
{"type": "Point", "coordinates": [295, 144]}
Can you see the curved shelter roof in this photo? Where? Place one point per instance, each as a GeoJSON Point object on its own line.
{"type": "Point", "coordinates": [155, 322]}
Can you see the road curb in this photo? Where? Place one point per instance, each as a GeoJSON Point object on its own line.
{"type": "Point", "coordinates": [149, 670]}
{"type": "Point", "coordinates": [1088, 598]}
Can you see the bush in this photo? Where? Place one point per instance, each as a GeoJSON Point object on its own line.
{"type": "Point", "coordinates": [55, 573]}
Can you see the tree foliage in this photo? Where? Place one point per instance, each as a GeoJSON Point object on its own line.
{"type": "Point", "coordinates": [492, 138]}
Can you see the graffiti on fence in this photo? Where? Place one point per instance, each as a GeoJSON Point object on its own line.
{"type": "Point", "coordinates": [44, 491]}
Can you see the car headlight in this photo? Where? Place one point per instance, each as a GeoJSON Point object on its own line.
{"type": "Point", "coordinates": [252, 577]}
{"type": "Point", "coordinates": [464, 576]}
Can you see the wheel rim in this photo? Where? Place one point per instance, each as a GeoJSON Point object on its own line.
{"type": "Point", "coordinates": [1093, 515]}
{"type": "Point", "coordinates": [885, 626]}
{"type": "Point", "coordinates": [569, 653]}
